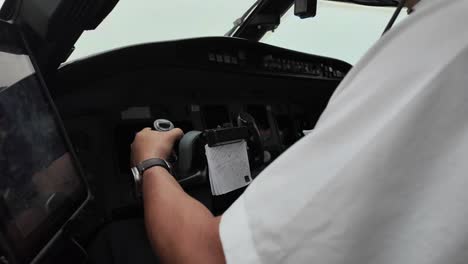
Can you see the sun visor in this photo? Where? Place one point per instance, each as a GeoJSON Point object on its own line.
{"type": "Point", "coordinates": [52, 18]}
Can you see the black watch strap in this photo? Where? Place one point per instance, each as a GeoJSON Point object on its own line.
{"type": "Point", "coordinates": [149, 163]}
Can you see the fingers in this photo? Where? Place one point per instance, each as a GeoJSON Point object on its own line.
{"type": "Point", "coordinates": [149, 143]}
{"type": "Point", "coordinates": [176, 133]}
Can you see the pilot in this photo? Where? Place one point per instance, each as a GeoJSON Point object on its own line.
{"type": "Point", "coordinates": [383, 178]}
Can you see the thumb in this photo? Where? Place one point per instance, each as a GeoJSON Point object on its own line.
{"type": "Point", "coordinates": [176, 134]}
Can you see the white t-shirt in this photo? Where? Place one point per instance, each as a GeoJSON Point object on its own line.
{"type": "Point", "coordinates": [383, 178]}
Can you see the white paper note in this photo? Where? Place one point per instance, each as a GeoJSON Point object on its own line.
{"type": "Point", "coordinates": [228, 167]}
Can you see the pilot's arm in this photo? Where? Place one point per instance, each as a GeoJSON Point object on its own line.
{"type": "Point", "coordinates": [382, 178]}
{"type": "Point", "coordinates": [180, 229]}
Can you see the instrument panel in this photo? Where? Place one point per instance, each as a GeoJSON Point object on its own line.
{"type": "Point", "coordinates": [215, 54]}
{"type": "Point", "coordinates": [279, 125]}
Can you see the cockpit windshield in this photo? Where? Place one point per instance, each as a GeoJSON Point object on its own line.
{"type": "Point", "coordinates": [340, 30]}
{"type": "Point", "coordinates": [141, 21]}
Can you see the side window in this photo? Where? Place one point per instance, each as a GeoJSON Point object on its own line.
{"type": "Point", "coordinates": [342, 31]}
{"type": "Point", "coordinates": [40, 183]}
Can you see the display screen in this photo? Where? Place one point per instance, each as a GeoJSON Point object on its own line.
{"type": "Point", "coordinates": [40, 186]}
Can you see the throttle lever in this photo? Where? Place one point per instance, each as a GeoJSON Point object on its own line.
{"type": "Point", "coordinates": [164, 125]}
{"type": "Point", "coordinates": [185, 162]}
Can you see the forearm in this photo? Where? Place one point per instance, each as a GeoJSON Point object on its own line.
{"type": "Point", "coordinates": [180, 228]}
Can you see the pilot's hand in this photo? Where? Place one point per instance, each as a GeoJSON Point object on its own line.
{"type": "Point", "coordinates": [150, 144]}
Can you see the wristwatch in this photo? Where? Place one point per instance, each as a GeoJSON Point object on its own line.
{"type": "Point", "coordinates": [140, 169]}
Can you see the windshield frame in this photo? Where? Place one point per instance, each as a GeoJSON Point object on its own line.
{"type": "Point", "coordinates": [9, 9]}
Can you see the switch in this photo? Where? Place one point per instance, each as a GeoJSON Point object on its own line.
{"type": "Point", "coordinates": [211, 57]}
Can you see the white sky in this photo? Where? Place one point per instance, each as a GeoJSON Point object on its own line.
{"type": "Point", "coordinates": [140, 21]}
{"type": "Point", "coordinates": [342, 31]}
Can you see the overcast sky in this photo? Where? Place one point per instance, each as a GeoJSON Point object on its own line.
{"type": "Point", "coordinates": [339, 30]}
{"type": "Point", "coordinates": [139, 21]}
{"type": "Point", "coordinates": [343, 31]}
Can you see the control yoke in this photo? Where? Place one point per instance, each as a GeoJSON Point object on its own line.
{"type": "Point", "coordinates": [191, 166]}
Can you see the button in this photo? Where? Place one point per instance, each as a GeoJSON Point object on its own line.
{"type": "Point", "coordinates": [211, 57]}
{"type": "Point", "coordinates": [268, 57]}
{"type": "Point", "coordinates": [195, 108]}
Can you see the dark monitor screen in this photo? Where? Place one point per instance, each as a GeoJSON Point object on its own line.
{"type": "Point", "coordinates": [40, 184]}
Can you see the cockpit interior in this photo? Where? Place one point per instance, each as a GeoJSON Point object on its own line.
{"type": "Point", "coordinates": [221, 88]}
